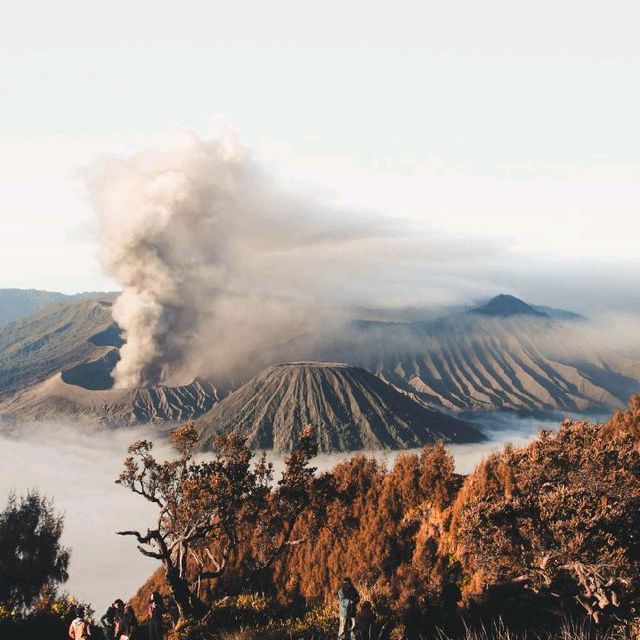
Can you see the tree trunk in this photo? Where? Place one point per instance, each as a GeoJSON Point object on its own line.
{"type": "Point", "coordinates": [181, 594]}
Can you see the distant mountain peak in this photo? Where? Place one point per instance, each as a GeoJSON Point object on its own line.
{"type": "Point", "coordinates": [505, 305]}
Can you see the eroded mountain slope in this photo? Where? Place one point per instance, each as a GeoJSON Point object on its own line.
{"type": "Point", "coordinates": [350, 408]}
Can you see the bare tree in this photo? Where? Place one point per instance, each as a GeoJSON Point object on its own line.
{"type": "Point", "coordinates": [210, 512]}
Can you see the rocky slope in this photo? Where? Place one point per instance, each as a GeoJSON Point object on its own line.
{"type": "Point", "coordinates": [521, 364]}
{"type": "Point", "coordinates": [350, 408]}
{"type": "Point", "coordinates": [504, 354]}
{"type": "Point", "coordinates": [54, 399]}
{"type": "Point", "coordinates": [56, 364]}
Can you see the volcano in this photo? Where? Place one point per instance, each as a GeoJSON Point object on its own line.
{"type": "Point", "coordinates": [505, 305]}
{"type": "Point", "coordinates": [350, 408]}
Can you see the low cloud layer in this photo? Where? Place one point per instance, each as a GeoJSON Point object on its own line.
{"type": "Point", "coordinates": [76, 466]}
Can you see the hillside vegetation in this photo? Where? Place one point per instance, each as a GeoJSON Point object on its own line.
{"type": "Point", "coordinates": [533, 535]}
{"type": "Point", "coordinates": [20, 303]}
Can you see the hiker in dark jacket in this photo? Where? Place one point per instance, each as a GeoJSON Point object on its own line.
{"type": "Point", "coordinates": [118, 613]}
{"type": "Point", "coordinates": [412, 619]}
{"type": "Point", "coordinates": [108, 622]}
{"type": "Point", "coordinates": [430, 617]}
{"type": "Point", "coordinates": [366, 621]}
{"type": "Point", "coordinates": [348, 599]}
{"type": "Point", "coordinates": [156, 609]}
{"type": "Point", "coordinates": [128, 624]}
{"type": "Point", "coordinates": [451, 595]}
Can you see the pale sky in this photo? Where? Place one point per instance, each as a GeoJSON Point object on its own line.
{"type": "Point", "coordinates": [515, 124]}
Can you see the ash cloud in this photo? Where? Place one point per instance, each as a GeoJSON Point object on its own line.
{"type": "Point", "coordinates": [217, 259]}
{"type": "Point", "coordinates": [211, 255]}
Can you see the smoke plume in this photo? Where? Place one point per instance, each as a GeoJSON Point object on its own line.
{"type": "Point", "coordinates": [209, 253]}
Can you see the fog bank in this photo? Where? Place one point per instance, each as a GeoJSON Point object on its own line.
{"type": "Point", "coordinates": [76, 466]}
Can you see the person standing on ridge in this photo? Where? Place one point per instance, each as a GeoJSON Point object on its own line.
{"type": "Point", "coordinates": [451, 595]}
{"type": "Point", "coordinates": [348, 599]}
{"type": "Point", "coordinates": [156, 609]}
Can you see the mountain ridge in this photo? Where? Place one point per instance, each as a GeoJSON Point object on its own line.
{"type": "Point", "coordinates": [460, 363]}
{"type": "Point", "coordinates": [54, 399]}
{"type": "Point", "coordinates": [54, 338]}
{"type": "Point", "coordinates": [20, 303]}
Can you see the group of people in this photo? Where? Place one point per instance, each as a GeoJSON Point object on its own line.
{"type": "Point", "coordinates": [418, 618]}
{"type": "Point", "coordinates": [119, 621]}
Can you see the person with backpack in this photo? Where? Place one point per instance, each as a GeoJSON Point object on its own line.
{"type": "Point", "coordinates": [79, 627]}
{"type": "Point", "coordinates": [348, 599]}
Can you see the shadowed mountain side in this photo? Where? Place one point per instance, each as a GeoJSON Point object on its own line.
{"type": "Point", "coordinates": [54, 398]}
{"type": "Point", "coordinates": [58, 337]}
{"type": "Point", "coordinates": [94, 374]}
{"type": "Point", "coordinates": [560, 314]}
{"type": "Point", "coordinates": [350, 408]}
